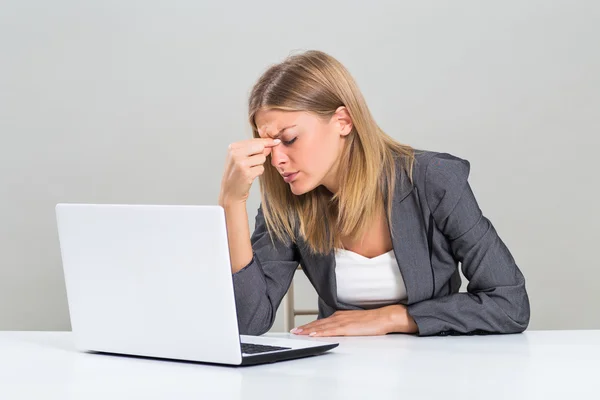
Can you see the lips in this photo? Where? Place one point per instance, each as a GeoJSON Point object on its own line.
{"type": "Point", "coordinates": [288, 177]}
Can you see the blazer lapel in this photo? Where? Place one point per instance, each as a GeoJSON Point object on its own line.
{"type": "Point", "coordinates": [323, 278]}
{"type": "Point", "coordinates": [409, 240]}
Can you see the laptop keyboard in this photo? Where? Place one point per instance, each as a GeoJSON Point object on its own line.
{"type": "Point", "coordinates": [250, 348]}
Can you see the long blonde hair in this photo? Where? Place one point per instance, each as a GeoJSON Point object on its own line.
{"type": "Point", "coordinates": [316, 82]}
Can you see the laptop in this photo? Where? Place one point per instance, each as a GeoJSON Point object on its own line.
{"type": "Point", "coordinates": [155, 281]}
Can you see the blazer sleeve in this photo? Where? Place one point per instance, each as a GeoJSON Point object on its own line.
{"type": "Point", "coordinates": [260, 286]}
{"type": "Point", "coordinates": [496, 300]}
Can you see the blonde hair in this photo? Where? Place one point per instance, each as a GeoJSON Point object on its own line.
{"type": "Point", "coordinates": [316, 82]}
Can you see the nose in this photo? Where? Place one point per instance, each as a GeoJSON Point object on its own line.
{"type": "Point", "coordinates": [278, 156]}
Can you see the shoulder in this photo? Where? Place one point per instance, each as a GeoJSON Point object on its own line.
{"type": "Point", "coordinates": [441, 176]}
{"type": "Point", "coordinates": [435, 165]}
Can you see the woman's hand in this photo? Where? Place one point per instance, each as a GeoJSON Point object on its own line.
{"type": "Point", "coordinates": [379, 321]}
{"type": "Point", "coordinates": [244, 163]}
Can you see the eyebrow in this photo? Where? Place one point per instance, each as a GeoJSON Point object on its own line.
{"type": "Point", "coordinates": [281, 131]}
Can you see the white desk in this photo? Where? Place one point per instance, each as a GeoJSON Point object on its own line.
{"type": "Point", "coordinates": [533, 365]}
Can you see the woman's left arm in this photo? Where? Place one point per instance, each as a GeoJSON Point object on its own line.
{"type": "Point", "coordinates": [496, 300]}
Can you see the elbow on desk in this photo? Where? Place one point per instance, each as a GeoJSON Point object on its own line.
{"type": "Point", "coordinates": [254, 330]}
{"type": "Point", "coordinates": [499, 310]}
{"type": "Point", "coordinates": [515, 310]}
{"type": "Point", "coordinates": [518, 310]}
{"type": "Point", "coordinates": [257, 324]}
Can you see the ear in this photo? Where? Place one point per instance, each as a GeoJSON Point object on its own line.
{"type": "Point", "coordinates": [343, 120]}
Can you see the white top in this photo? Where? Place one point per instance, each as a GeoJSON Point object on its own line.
{"type": "Point", "coordinates": [534, 365]}
{"type": "Point", "coordinates": [368, 282]}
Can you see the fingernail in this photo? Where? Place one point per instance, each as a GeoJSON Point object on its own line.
{"type": "Point", "coordinates": [296, 330]}
{"type": "Point", "coordinates": [312, 334]}
{"type": "Point", "coordinates": [277, 141]}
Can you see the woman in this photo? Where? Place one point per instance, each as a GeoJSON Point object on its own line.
{"type": "Point", "coordinates": [378, 227]}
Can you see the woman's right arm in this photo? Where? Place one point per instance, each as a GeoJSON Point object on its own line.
{"type": "Point", "coordinates": [262, 271]}
{"type": "Point", "coordinates": [238, 235]}
{"type": "Point", "coordinates": [261, 283]}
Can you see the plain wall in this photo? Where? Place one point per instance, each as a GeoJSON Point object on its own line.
{"type": "Point", "coordinates": [136, 102]}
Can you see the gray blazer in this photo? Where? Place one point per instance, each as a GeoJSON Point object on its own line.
{"type": "Point", "coordinates": [437, 223]}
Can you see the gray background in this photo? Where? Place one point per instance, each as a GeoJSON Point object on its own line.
{"type": "Point", "coordinates": [136, 102]}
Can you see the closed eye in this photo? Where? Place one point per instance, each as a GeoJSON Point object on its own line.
{"type": "Point", "coordinates": [289, 142]}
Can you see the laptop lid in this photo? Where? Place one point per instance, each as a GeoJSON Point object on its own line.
{"type": "Point", "coordinates": [150, 280]}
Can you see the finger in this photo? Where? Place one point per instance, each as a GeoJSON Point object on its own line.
{"type": "Point", "coordinates": [269, 147]}
{"type": "Point", "coordinates": [256, 171]}
{"type": "Point", "coordinates": [272, 142]}
{"type": "Point", "coordinates": [328, 332]}
{"type": "Point", "coordinates": [312, 326]}
{"type": "Point", "coordinates": [260, 145]}
{"type": "Point", "coordinates": [257, 159]}
{"type": "Point", "coordinates": [335, 331]}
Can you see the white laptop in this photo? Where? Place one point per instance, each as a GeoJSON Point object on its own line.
{"type": "Point", "coordinates": [155, 281]}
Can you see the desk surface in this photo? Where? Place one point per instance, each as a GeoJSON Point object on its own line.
{"type": "Point", "coordinates": [535, 364]}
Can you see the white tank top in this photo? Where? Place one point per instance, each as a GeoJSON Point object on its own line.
{"type": "Point", "coordinates": [368, 282]}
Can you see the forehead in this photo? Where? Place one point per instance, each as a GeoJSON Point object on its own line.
{"type": "Point", "coordinates": [270, 122]}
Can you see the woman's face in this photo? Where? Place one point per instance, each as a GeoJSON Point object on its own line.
{"type": "Point", "coordinates": [310, 147]}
